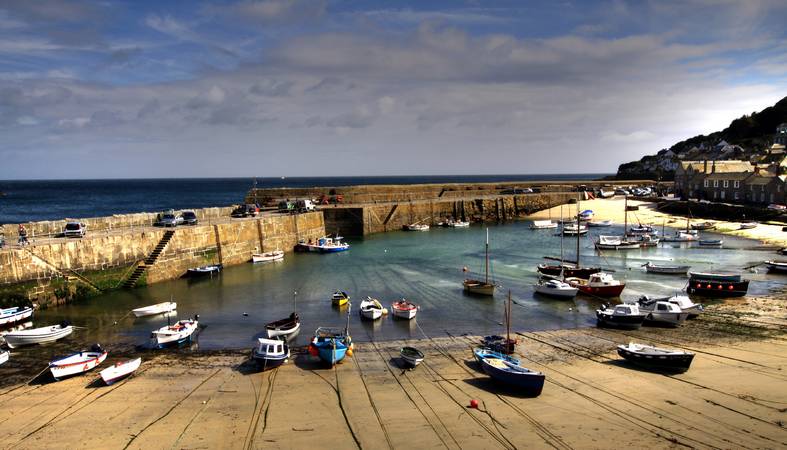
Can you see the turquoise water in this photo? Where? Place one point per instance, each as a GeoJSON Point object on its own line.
{"type": "Point", "coordinates": [424, 267]}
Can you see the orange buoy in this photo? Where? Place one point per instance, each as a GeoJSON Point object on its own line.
{"type": "Point", "coordinates": [474, 404]}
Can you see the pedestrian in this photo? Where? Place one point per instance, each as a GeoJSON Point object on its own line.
{"type": "Point", "coordinates": [23, 235]}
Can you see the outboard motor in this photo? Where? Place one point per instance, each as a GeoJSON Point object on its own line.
{"type": "Point", "coordinates": [196, 317]}
{"type": "Point", "coordinates": [97, 348]}
{"type": "Point", "coordinates": [64, 324]}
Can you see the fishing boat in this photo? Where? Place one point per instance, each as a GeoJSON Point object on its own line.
{"type": "Point", "coordinates": [599, 223]}
{"type": "Point", "coordinates": [158, 308]}
{"type": "Point", "coordinates": [180, 333]}
{"type": "Point", "coordinates": [404, 309]}
{"type": "Point", "coordinates": [646, 240]}
{"type": "Point", "coordinates": [284, 327]}
{"type": "Point", "coordinates": [542, 225]}
{"type": "Point", "coordinates": [479, 287]}
{"type": "Point", "coordinates": [77, 363]}
{"type": "Point", "coordinates": [514, 375]}
{"type": "Point", "coordinates": [574, 230]}
{"type": "Point", "coordinates": [555, 288]}
{"type": "Point", "coordinates": [371, 309]}
{"type": "Point", "coordinates": [120, 370]}
{"type": "Point", "coordinates": [339, 298]}
{"type": "Point", "coordinates": [416, 227]}
{"type": "Point", "coordinates": [568, 270]}
{"type": "Point", "coordinates": [777, 266]}
{"type": "Point", "coordinates": [685, 304]}
{"type": "Point", "coordinates": [659, 311]}
{"type": "Point", "coordinates": [642, 229]}
{"type": "Point", "coordinates": [411, 356]}
{"type": "Point", "coordinates": [716, 287]}
{"type": "Point", "coordinates": [680, 236]}
{"type": "Point", "coordinates": [703, 226]}
{"type": "Point", "coordinates": [748, 225]}
{"type": "Point", "coordinates": [458, 224]}
{"type": "Point", "coordinates": [501, 344]}
{"type": "Point", "coordinates": [666, 269]}
{"type": "Point", "coordinates": [586, 215]}
{"type": "Point", "coordinates": [657, 358]}
{"type": "Point", "coordinates": [332, 344]}
{"type": "Point", "coordinates": [4, 355]}
{"type": "Point", "coordinates": [270, 353]}
{"type": "Point", "coordinates": [600, 284]}
{"type": "Point", "coordinates": [715, 276]}
{"type": "Point", "coordinates": [616, 243]}
{"type": "Point", "coordinates": [486, 352]}
{"type": "Point", "coordinates": [202, 271]}
{"type": "Point", "coordinates": [41, 335]}
{"type": "Point", "coordinates": [711, 242]}
{"type": "Point", "coordinates": [13, 315]}
{"type": "Point", "coordinates": [621, 316]}
{"type": "Point", "coordinates": [276, 255]}
{"type": "Point", "coordinates": [323, 245]}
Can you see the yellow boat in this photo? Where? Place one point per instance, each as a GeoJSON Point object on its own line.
{"type": "Point", "coordinates": [340, 298]}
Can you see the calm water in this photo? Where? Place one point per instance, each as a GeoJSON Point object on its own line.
{"type": "Point", "coordinates": [423, 267]}
{"type": "Point", "coordinates": [26, 201]}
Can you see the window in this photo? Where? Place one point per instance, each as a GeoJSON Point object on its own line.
{"type": "Point", "coordinates": [715, 193]}
{"type": "Point", "coordinates": [706, 183]}
{"type": "Point", "coordinates": [737, 184]}
{"type": "Point", "coordinates": [726, 183]}
{"type": "Point", "coordinates": [715, 183]}
{"type": "Point", "coordinates": [723, 194]}
{"type": "Point", "coordinates": [737, 197]}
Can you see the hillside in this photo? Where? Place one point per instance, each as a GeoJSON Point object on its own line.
{"type": "Point", "coordinates": [746, 138]}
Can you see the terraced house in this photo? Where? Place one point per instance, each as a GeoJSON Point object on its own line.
{"type": "Point", "coordinates": [732, 181]}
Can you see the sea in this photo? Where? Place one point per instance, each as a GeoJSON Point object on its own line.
{"type": "Point", "coordinates": [35, 200]}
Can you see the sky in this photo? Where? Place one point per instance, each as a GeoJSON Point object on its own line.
{"type": "Point", "coordinates": [125, 89]}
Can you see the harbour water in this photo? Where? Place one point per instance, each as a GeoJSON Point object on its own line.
{"type": "Point", "coordinates": [424, 267]}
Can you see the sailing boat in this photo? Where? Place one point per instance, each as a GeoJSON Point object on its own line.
{"type": "Point", "coordinates": [479, 287]}
{"type": "Point", "coordinates": [573, 269]}
{"type": "Point", "coordinates": [499, 343]}
{"type": "Point", "coordinates": [619, 242]}
{"type": "Point", "coordinates": [287, 326]}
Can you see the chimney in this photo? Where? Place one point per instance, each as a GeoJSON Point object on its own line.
{"type": "Point", "coordinates": [713, 167]}
{"type": "Point", "coordinates": [705, 166]}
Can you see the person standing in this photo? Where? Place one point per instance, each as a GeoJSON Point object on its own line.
{"type": "Point", "coordinates": [23, 235]}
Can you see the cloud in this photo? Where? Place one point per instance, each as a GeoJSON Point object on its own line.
{"type": "Point", "coordinates": [634, 136]}
{"type": "Point", "coordinates": [279, 11]}
{"type": "Point", "coordinates": [272, 88]}
{"type": "Point", "coordinates": [211, 97]}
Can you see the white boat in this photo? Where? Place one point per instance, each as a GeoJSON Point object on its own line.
{"type": "Point", "coordinates": [15, 314]}
{"type": "Point", "coordinates": [404, 309]}
{"type": "Point", "coordinates": [270, 353]}
{"type": "Point", "coordinates": [685, 304]}
{"type": "Point", "coordinates": [120, 370]}
{"type": "Point", "coordinates": [668, 269]}
{"type": "Point", "coordinates": [711, 242]}
{"type": "Point", "coordinates": [571, 230]}
{"type": "Point", "coordinates": [371, 309]}
{"type": "Point", "coordinates": [642, 229]}
{"type": "Point", "coordinates": [777, 266]}
{"type": "Point", "coordinates": [38, 335]}
{"type": "Point", "coordinates": [586, 215]}
{"type": "Point", "coordinates": [158, 308]}
{"type": "Point", "coordinates": [276, 255]}
{"type": "Point", "coordinates": [4, 355]}
{"type": "Point", "coordinates": [681, 236]}
{"type": "Point", "coordinates": [616, 243]}
{"type": "Point", "coordinates": [77, 363]}
{"type": "Point", "coordinates": [599, 223]}
{"type": "Point", "coordinates": [748, 225]}
{"type": "Point", "coordinates": [323, 245]}
{"type": "Point", "coordinates": [416, 227]}
{"type": "Point", "coordinates": [661, 311]}
{"type": "Point", "coordinates": [556, 288]}
{"type": "Point", "coordinates": [542, 225]}
{"type": "Point", "coordinates": [458, 224]}
{"type": "Point", "coordinates": [605, 194]}
{"type": "Point", "coordinates": [411, 356]}
{"type": "Point", "coordinates": [179, 333]}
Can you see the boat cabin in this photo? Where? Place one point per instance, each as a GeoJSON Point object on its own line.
{"type": "Point", "coordinates": [602, 279]}
{"type": "Point", "coordinates": [270, 347]}
{"type": "Point", "coordinates": [626, 310]}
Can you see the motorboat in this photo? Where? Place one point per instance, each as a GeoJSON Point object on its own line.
{"type": "Point", "coordinates": [323, 245]}
{"type": "Point", "coordinates": [339, 298]}
{"type": "Point", "coordinates": [177, 334]}
{"type": "Point", "coordinates": [514, 375]}
{"type": "Point", "coordinates": [702, 226]}
{"type": "Point", "coordinates": [600, 284]}
{"type": "Point", "coordinates": [458, 224]}
{"type": "Point", "coordinates": [621, 316]}
{"type": "Point", "coordinates": [748, 225]}
{"type": "Point", "coordinates": [659, 311]}
{"type": "Point", "coordinates": [270, 353]}
{"type": "Point", "coordinates": [284, 327]}
{"type": "Point", "coordinates": [371, 309]}
{"type": "Point", "coordinates": [642, 229]}
{"type": "Point", "coordinates": [203, 271]}
{"type": "Point", "coordinates": [599, 223]}
{"type": "Point", "coordinates": [416, 227]}
{"type": "Point", "coordinates": [542, 225]}
{"type": "Point", "coordinates": [586, 215]}
{"type": "Point", "coordinates": [4, 355]}
{"type": "Point", "coordinates": [681, 236]}
{"type": "Point", "coordinates": [158, 308]}
{"type": "Point", "coordinates": [777, 266]}
{"type": "Point", "coordinates": [481, 287]}
{"type": "Point", "coordinates": [567, 270]}
{"type": "Point", "coordinates": [573, 230]}
{"type": "Point", "coordinates": [411, 356]}
{"type": "Point", "coordinates": [276, 255]}
{"type": "Point", "coordinates": [404, 309]}
{"type": "Point", "coordinates": [711, 242]}
{"type": "Point", "coordinates": [330, 344]}
{"type": "Point", "coordinates": [716, 276]}
{"type": "Point", "coordinates": [646, 240]}
{"type": "Point", "coordinates": [616, 243]}
{"type": "Point", "coordinates": [41, 335]}
{"type": "Point", "coordinates": [656, 358]}
{"type": "Point", "coordinates": [77, 363]}
{"type": "Point", "coordinates": [717, 285]}
{"type": "Point", "coordinates": [685, 304]}
{"type": "Point", "coordinates": [120, 370]}
{"type": "Point", "coordinates": [666, 269]}
{"type": "Point", "coordinates": [555, 288]}
{"type": "Point", "coordinates": [486, 352]}
{"type": "Point", "coordinates": [13, 315]}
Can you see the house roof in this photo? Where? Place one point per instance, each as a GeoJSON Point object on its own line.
{"type": "Point", "coordinates": [725, 166]}
{"type": "Point", "coordinates": [760, 179]}
{"type": "Point", "coordinates": [729, 176]}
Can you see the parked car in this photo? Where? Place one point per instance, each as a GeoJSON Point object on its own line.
{"type": "Point", "coordinates": [74, 229]}
{"type": "Point", "coordinates": [168, 219]}
{"type": "Point", "coordinates": [777, 207]}
{"type": "Point", "coordinates": [189, 217]}
{"type": "Point", "coordinates": [516, 191]}
{"type": "Point", "coordinates": [247, 210]}
{"type": "Point", "coordinates": [621, 191]}
{"type": "Point", "coordinates": [304, 205]}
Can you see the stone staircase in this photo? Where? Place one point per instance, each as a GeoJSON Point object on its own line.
{"type": "Point", "coordinates": [134, 277]}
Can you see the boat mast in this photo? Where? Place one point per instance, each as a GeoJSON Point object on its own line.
{"type": "Point", "coordinates": [561, 240]}
{"type": "Point", "coordinates": [508, 319]}
{"type": "Point", "coordinates": [295, 300]}
{"type": "Point", "coordinates": [486, 269]}
{"type": "Point", "coordinates": [578, 196]}
{"type": "Point", "coordinates": [625, 215]}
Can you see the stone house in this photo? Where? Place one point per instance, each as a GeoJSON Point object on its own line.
{"type": "Point", "coordinates": [781, 135]}
{"type": "Point", "coordinates": [690, 177]}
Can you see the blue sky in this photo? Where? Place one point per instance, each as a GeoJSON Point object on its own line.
{"type": "Point", "coordinates": [311, 87]}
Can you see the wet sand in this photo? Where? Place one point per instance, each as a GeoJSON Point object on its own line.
{"type": "Point", "coordinates": [734, 396]}
{"type": "Point", "coordinates": [612, 209]}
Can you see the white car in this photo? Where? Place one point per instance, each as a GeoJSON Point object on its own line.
{"type": "Point", "coordinates": [777, 207]}
{"type": "Point", "coordinates": [75, 229]}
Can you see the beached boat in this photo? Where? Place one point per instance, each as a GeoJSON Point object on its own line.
{"type": "Point", "coordinates": [656, 358]}
{"type": "Point", "coordinates": [574, 230]}
{"type": "Point", "coordinates": [177, 334]}
{"type": "Point", "coordinates": [555, 288]}
{"type": "Point", "coordinates": [514, 375]}
{"type": "Point", "coordinates": [702, 226]}
{"type": "Point", "coordinates": [323, 245]}
{"type": "Point", "coordinates": [616, 243]}
{"type": "Point", "coordinates": [203, 271]}
{"type": "Point", "coordinates": [4, 355]}
{"type": "Point", "coordinates": [330, 344]}
{"type": "Point", "coordinates": [339, 298]}
{"type": "Point", "coordinates": [403, 309]}
{"type": "Point", "coordinates": [458, 224]}
{"type": "Point", "coordinates": [270, 353]}
{"type": "Point", "coordinates": [13, 315]}
{"type": "Point", "coordinates": [501, 344]}
{"type": "Point", "coordinates": [716, 287]}
{"type": "Point", "coordinates": [621, 316]}
{"type": "Point", "coordinates": [481, 353]}
{"type": "Point", "coordinates": [586, 215]}
{"type": "Point", "coordinates": [642, 229]}
{"type": "Point", "coordinates": [276, 255]}
{"type": "Point", "coordinates": [599, 223]}
{"type": "Point", "coordinates": [777, 266]}
{"type": "Point", "coordinates": [416, 227]}
{"type": "Point", "coordinates": [685, 304]}
{"type": "Point", "coordinates": [606, 194]}
{"type": "Point", "coordinates": [715, 276]}
{"type": "Point", "coordinates": [152, 310]}
{"type": "Point", "coordinates": [748, 225]}
{"type": "Point", "coordinates": [659, 311]}
{"type": "Point", "coordinates": [542, 225]}
{"type": "Point", "coordinates": [77, 363]}
{"type": "Point", "coordinates": [411, 356]}
{"type": "Point", "coordinates": [680, 236]}
{"type": "Point", "coordinates": [667, 269]}
{"type": "Point", "coordinates": [600, 284]}
{"type": "Point", "coordinates": [38, 335]}
{"type": "Point", "coordinates": [711, 242]}
{"type": "Point", "coordinates": [479, 287]}
{"type": "Point", "coordinates": [371, 309]}
{"type": "Point", "coordinates": [284, 327]}
{"type": "Point", "coordinates": [120, 370]}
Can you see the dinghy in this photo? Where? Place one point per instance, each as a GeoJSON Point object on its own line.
{"type": "Point", "coordinates": [284, 327]}
{"type": "Point", "coordinates": [748, 225]}
{"type": "Point", "coordinates": [703, 226]}
{"type": "Point", "coordinates": [179, 333]}
{"type": "Point", "coordinates": [574, 230]}
{"type": "Point", "coordinates": [330, 344]}
{"type": "Point", "coordinates": [404, 309]}
{"type": "Point", "coordinates": [38, 335]}
{"type": "Point", "coordinates": [711, 242]}
{"type": "Point", "coordinates": [13, 315]}
{"type": "Point", "coordinates": [77, 363]}
{"type": "Point", "coordinates": [152, 310]}
{"type": "Point", "coordinates": [621, 316]}
{"type": "Point", "coordinates": [542, 225]}
{"type": "Point", "coordinates": [657, 358]}
{"type": "Point", "coordinates": [339, 298]}
{"type": "Point", "coordinates": [416, 227]}
{"type": "Point", "coordinates": [458, 224]}
{"type": "Point", "coordinates": [411, 356]}
{"type": "Point", "coordinates": [555, 288]}
{"type": "Point", "coordinates": [666, 269]}
{"type": "Point", "coordinates": [599, 223]}
{"type": "Point", "coordinates": [4, 355]}
{"type": "Point", "coordinates": [371, 309]}
{"type": "Point", "coordinates": [204, 271]}
{"type": "Point", "coordinates": [276, 255]}
{"type": "Point", "coordinates": [616, 243]}
{"type": "Point", "coordinates": [777, 266]}
{"type": "Point", "coordinates": [486, 352]}
{"type": "Point", "coordinates": [514, 375]}
{"type": "Point", "coordinates": [120, 370]}
{"type": "Point", "coordinates": [270, 353]}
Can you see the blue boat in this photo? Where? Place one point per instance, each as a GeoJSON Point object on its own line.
{"type": "Point", "coordinates": [323, 245]}
{"type": "Point", "coordinates": [330, 344]}
{"type": "Point", "coordinates": [514, 375]}
{"type": "Point", "coordinates": [486, 352]}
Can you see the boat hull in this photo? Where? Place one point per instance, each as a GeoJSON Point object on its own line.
{"type": "Point", "coordinates": [266, 362]}
{"type": "Point", "coordinates": [120, 371]}
{"type": "Point", "coordinates": [267, 257]}
{"type": "Point", "coordinates": [64, 368]}
{"type": "Point", "coordinates": [4, 357]}
{"type": "Point", "coordinates": [479, 288]}
{"type": "Point", "coordinates": [411, 356]}
{"type": "Point", "coordinates": [13, 315]}
{"type": "Point", "coordinates": [371, 313]}
{"type": "Point", "coordinates": [631, 322]}
{"type": "Point", "coordinates": [776, 267]}
{"type": "Point", "coordinates": [671, 363]}
{"type": "Point", "coordinates": [152, 310]}
{"type": "Point", "coordinates": [484, 352]}
{"type": "Point", "coordinates": [406, 314]}
{"type": "Point", "coordinates": [531, 383]}
{"type": "Point", "coordinates": [568, 272]}
{"type": "Point", "coordinates": [667, 270]}
{"type": "Point", "coordinates": [717, 288]}
{"type": "Point", "coordinates": [284, 327]}
{"type": "Point", "coordinates": [556, 293]}
{"type": "Point", "coordinates": [331, 355]}
{"type": "Point", "coordinates": [27, 337]}
{"type": "Point", "coordinates": [668, 318]}
{"type": "Point", "coordinates": [602, 291]}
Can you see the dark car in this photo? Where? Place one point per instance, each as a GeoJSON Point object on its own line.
{"type": "Point", "coordinates": [168, 219]}
{"type": "Point", "coordinates": [189, 218]}
{"type": "Point", "coordinates": [247, 210]}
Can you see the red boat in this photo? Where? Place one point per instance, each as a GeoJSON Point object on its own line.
{"type": "Point", "coordinates": [600, 285]}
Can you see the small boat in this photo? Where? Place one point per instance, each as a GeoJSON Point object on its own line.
{"type": "Point", "coordinates": [681, 236]}
{"type": "Point", "coordinates": [38, 335]}
{"type": "Point", "coordinates": [411, 356]}
{"type": "Point", "coordinates": [586, 215]}
{"type": "Point", "coordinates": [642, 229]}
{"type": "Point", "coordinates": [777, 266]}
{"type": "Point", "coordinates": [606, 194]}
{"type": "Point", "coordinates": [567, 270]}
{"type": "Point", "coordinates": [276, 255]}
{"type": "Point", "coordinates": [323, 245]}
{"type": "Point", "coordinates": [685, 304]}
{"type": "Point", "coordinates": [542, 225]}
{"type": "Point", "coordinates": [702, 226]}
{"type": "Point", "coordinates": [571, 230]}
{"type": "Point", "coordinates": [514, 375]}
{"type": "Point", "coordinates": [599, 223]}
{"type": "Point", "coordinates": [416, 227]}
{"type": "Point", "coordinates": [270, 353]}
{"type": "Point", "coordinates": [711, 242]}
{"type": "Point", "coordinates": [371, 309]}
{"type": "Point", "coordinates": [656, 358]}
{"type": "Point", "coordinates": [646, 240]}
{"type": "Point", "coordinates": [339, 298]}
{"type": "Point", "coordinates": [717, 288]}
{"type": "Point", "coordinates": [506, 345]}
{"type": "Point", "coordinates": [284, 327]}
{"type": "Point", "coordinates": [616, 243]}
{"type": "Point", "coordinates": [486, 352]}
{"type": "Point", "coordinates": [13, 315]}
{"type": "Point", "coordinates": [748, 225]}
{"type": "Point", "coordinates": [600, 284]}
{"type": "Point", "coordinates": [78, 362]}
{"type": "Point", "coordinates": [715, 276]}
{"type": "Point", "coordinates": [120, 370]}
{"type": "Point", "coordinates": [659, 311]}
{"type": "Point", "coordinates": [202, 271]}
{"type": "Point", "coordinates": [479, 287]}
{"type": "Point", "coordinates": [458, 224]}
{"type": "Point", "coordinates": [4, 355]}
{"type": "Point", "coordinates": [621, 316]}
{"type": "Point", "coordinates": [330, 344]}
{"type": "Point", "coordinates": [666, 269]}
{"type": "Point", "coordinates": [179, 333]}
{"type": "Point", "coordinates": [404, 309]}
{"type": "Point", "coordinates": [555, 288]}
{"type": "Point", "coordinates": [152, 310]}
